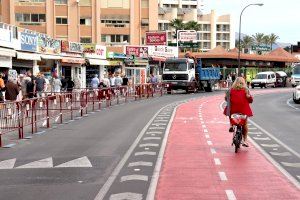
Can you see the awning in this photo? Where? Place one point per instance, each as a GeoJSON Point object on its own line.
{"type": "Point", "coordinates": [51, 57]}
{"type": "Point", "coordinates": [28, 56]}
{"type": "Point", "coordinates": [7, 52]}
{"type": "Point", "coordinates": [162, 59]}
{"type": "Point", "coordinates": [72, 60]}
{"type": "Point", "coordinates": [97, 62]}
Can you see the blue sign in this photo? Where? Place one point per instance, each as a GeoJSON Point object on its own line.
{"type": "Point", "coordinates": [29, 42]}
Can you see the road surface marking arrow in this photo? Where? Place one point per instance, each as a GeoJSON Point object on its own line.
{"type": "Point", "coordinates": [44, 163]}
{"type": "Point", "coordinates": [79, 162]}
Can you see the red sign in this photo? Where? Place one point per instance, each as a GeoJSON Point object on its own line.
{"type": "Point", "coordinates": [137, 51]}
{"type": "Point", "coordinates": [156, 38]}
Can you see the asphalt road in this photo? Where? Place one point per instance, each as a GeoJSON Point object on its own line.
{"type": "Point", "coordinates": [74, 160]}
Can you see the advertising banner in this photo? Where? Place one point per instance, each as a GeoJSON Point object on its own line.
{"type": "Point", "coordinates": [29, 42]}
{"type": "Point", "coordinates": [163, 51]}
{"type": "Point", "coordinates": [6, 38]}
{"type": "Point", "coordinates": [72, 47]}
{"type": "Point", "coordinates": [137, 51]}
{"type": "Point", "coordinates": [94, 51]}
{"type": "Point", "coordinates": [47, 45]}
{"type": "Point", "coordinates": [187, 36]}
{"type": "Point", "coordinates": [156, 38]}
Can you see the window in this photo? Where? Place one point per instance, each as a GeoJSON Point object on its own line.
{"type": "Point", "coordinates": [103, 38]}
{"type": "Point", "coordinates": [115, 38]}
{"type": "Point", "coordinates": [20, 17]}
{"type": "Point", "coordinates": [61, 20]}
{"type": "Point", "coordinates": [145, 3]}
{"type": "Point", "coordinates": [86, 21]}
{"type": "Point", "coordinates": [61, 1]}
{"type": "Point", "coordinates": [85, 2]}
{"type": "Point", "coordinates": [85, 40]}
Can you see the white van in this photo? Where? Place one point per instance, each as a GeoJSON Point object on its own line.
{"type": "Point", "coordinates": [264, 79]}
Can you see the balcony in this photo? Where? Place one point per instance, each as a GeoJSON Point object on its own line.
{"type": "Point", "coordinates": [34, 26]}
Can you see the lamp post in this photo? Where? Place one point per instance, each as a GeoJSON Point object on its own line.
{"type": "Point", "coordinates": [240, 27]}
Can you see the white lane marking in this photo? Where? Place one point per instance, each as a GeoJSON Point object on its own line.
{"type": "Point", "coordinates": [288, 102]}
{"type": "Point", "coordinates": [158, 124]}
{"type": "Point", "coordinates": [217, 161]}
{"type": "Point", "coordinates": [156, 128]}
{"type": "Point", "coordinates": [295, 165]}
{"type": "Point", "coordinates": [230, 195]}
{"type": "Point", "coordinates": [205, 131]}
{"type": "Point", "coordinates": [275, 149]}
{"type": "Point", "coordinates": [149, 145]}
{"type": "Point", "coordinates": [207, 136]}
{"type": "Point", "coordinates": [137, 170]}
{"type": "Point", "coordinates": [270, 145]}
{"type": "Point", "coordinates": [203, 126]}
{"type": "Point", "coordinates": [209, 143]}
{"type": "Point", "coordinates": [153, 132]}
{"type": "Point", "coordinates": [79, 162]}
{"type": "Point", "coordinates": [155, 176]}
{"type": "Point", "coordinates": [213, 151]}
{"type": "Point", "coordinates": [252, 128]}
{"type": "Point", "coordinates": [298, 177]}
{"type": "Point", "coordinates": [263, 139]}
{"type": "Point", "coordinates": [126, 195]}
{"type": "Point", "coordinates": [140, 163]}
{"type": "Point", "coordinates": [202, 122]}
{"type": "Point", "coordinates": [277, 140]}
{"type": "Point", "coordinates": [223, 176]}
{"type": "Point", "coordinates": [44, 163]}
{"type": "Point", "coordinates": [152, 138]}
{"type": "Point", "coordinates": [201, 119]}
{"type": "Point", "coordinates": [281, 154]}
{"type": "Point", "coordinates": [161, 120]}
{"type": "Point", "coordinates": [134, 177]}
{"type": "Point", "coordinates": [143, 153]}
{"type": "Point", "coordinates": [8, 164]}
{"type": "Point", "coordinates": [146, 148]}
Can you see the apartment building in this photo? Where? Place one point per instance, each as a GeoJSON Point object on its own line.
{"type": "Point", "coordinates": [112, 23]}
{"type": "Point", "coordinates": [214, 30]}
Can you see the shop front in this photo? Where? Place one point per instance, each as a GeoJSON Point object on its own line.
{"type": "Point", "coordinates": [137, 65]}
{"type": "Point", "coordinates": [72, 63]}
{"type": "Point", "coordinates": [27, 56]}
{"type": "Point", "coordinates": [115, 62]}
{"type": "Point", "coordinates": [6, 49]}
{"type": "Point", "coordinates": [95, 56]}
{"type": "Point", "coordinates": [50, 50]}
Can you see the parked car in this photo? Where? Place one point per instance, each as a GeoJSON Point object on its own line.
{"type": "Point", "coordinates": [281, 78]}
{"type": "Point", "coordinates": [264, 79]}
{"type": "Point", "coordinates": [296, 75]}
{"type": "Point", "coordinates": [296, 94]}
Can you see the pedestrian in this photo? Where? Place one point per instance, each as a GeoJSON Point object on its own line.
{"type": "Point", "coordinates": [40, 85]}
{"type": "Point", "coordinates": [56, 85]}
{"type": "Point", "coordinates": [11, 90]}
{"type": "Point", "coordinates": [238, 100]}
{"type": "Point", "coordinates": [228, 80]}
{"type": "Point", "coordinates": [125, 80]}
{"type": "Point", "coordinates": [105, 83]}
{"type": "Point", "coordinates": [248, 79]}
{"type": "Point", "coordinates": [70, 84]}
{"type": "Point", "coordinates": [2, 87]}
{"type": "Point", "coordinates": [63, 84]}
{"type": "Point", "coordinates": [118, 80]}
{"type": "Point", "coordinates": [233, 76]}
{"type": "Point", "coordinates": [153, 78]}
{"type": "Point", "coordinates": [95, 82]}
{"type": "Point", "coordinates": [112, 80]}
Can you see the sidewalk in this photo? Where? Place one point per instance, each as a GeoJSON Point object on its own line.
{"type": "Point", "coordinates": [200, 163]}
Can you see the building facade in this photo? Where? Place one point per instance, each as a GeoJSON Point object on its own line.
{"type": "Point", "coordinates": [87, 21]}
{"type": "Point", "coordinates": [214, 30]}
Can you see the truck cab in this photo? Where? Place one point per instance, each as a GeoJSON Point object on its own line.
{"type": "Point", "coordinates": [180, 74]}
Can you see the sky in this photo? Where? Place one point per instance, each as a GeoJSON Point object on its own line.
{"type": "Point", "coordinates": [280, 17]}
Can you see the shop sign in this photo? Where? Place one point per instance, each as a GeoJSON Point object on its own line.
{"type": "Point", "coordinates": [163, 51]}
{"type": "Point", "coordinates": [5, 61]}
{"type": "Point", "coordinates": [156, 38]}
{"type": "Point", "coordinates": [260, 48]}
{"type": "Point", "coordinates": [72, 47]}
{"type": "Point", "coordinates": [137, 51]}
{"type": "Point", "coordinates": [187, 36]}
{"type": "Point", "coordinates": [28, 42]}
{"type": "Point", "coordinates": [186, 45]}
{"type": "Point", "coordinates": [47, 45]}
{"type": "Point", "coordinates": [6, 38]}
{"type": "Point", "coordinates": [113, 55]}
{"type": "Point", "coordinates": [94, 51]}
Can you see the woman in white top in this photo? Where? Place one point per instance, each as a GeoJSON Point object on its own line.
{"type": "Point", "coordinates": [56, 85]}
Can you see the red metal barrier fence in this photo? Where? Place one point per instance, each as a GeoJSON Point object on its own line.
{"type": "Point", "coordinates": [32, 114]}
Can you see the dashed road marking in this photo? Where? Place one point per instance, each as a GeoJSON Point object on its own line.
{"type": "Point", "coordinates": [161, 120]}
{"type": "Point", "coordinates": [230, 195]}
{"type": "Point", "coordinates": [153, 132]}
{"type": "Point", "coordinates": [203, 126]}
{"type": "Point", "coordinates": [152, 138]}
{"type": "Point", "coordinates": [217, 161]}
{"type": "Point", "coordinates": [143, 153]}
{"type": "Point", "coordinates": [295, 165]}
{"type": "Point", "coordinates": [205, 131]}
{"type": "Point", "coordinates": [281, 154]}
{"type": "Point", "coordinates": [207, 136]}
{"type": "Point", "coordinates": [140, 163]}
{"type": "Point", "coordinates": [44, 163]}
{"type": "Point", "coordinates": [158, 124]}
{"type": "Point", "coordinates": [270, 145]}
{"type": "Point", "coordinates": [209, 143]}
{"type": "Point", "coordinates": [126, 195]}
{"type": "Point", "coordinates": [149, 145]}
{"type": "Point", "coordinates": [7, 164]}
{"type": "Point", "coordinates": [79, 162]}
{"type": "Point", "coordinates": [252, 128]}
{"type": "Point", "coordinates": [156, 128]}
{"type": "Point", "coordinates": [213, 151]}
{"type": "Point", "coordinates": [223, 176]}
{"type": "Point", "coordinates": [263, 139]}
{"type": "Point", "coordinates": [134, 177]}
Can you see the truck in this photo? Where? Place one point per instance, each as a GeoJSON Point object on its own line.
{"type": "Point", "coordinates": [189, 74]}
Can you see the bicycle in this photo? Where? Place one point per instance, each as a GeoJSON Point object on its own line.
{"type": "Point", "coordinates": [237, 121]}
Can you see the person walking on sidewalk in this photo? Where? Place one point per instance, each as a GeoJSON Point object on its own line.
{"type": "Point", "coordinates": [11, 91]}
{"type": "Point", "coordinates": [238, 100]}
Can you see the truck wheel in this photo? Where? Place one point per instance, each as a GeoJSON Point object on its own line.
{"type": "Point", "coordinates": [208, 88]}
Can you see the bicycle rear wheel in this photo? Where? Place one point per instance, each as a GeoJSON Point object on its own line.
{"type": "Point", "coordinates": [237, 140]}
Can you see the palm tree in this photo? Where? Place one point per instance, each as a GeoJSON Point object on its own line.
{"type": "Point", "coordinates": [273, 39]}
{"type": "Point", "coordinates": [258, 38]}
{"type": "Point", "coordinates": [247, 41]}
{"type": "Point", "coordinates": [177, 24]}
{"type": "Point", "coordinates": [192, 25]}
{"type": "Point", "coordinates": [266, 40]}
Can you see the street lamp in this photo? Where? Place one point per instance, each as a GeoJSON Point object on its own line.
{"type": "Point", "coordinates": [240, 27]}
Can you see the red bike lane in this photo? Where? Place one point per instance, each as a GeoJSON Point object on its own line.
{"type": "Point", "coordinates": [200, 163]}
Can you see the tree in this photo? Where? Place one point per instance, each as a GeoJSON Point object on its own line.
{"type": "Point", "coordinates": [273, 39]}
{"type": "Point", "coordinates": [266, 40]}
{"type": "Point", "coordinates": [258, 38]}
{"type": "Point", "coordinates": [192, 25]}
{"type": "Point", "coordinates": [177, 24]}
{"type": "Point", "coordinates": [247, 41]}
